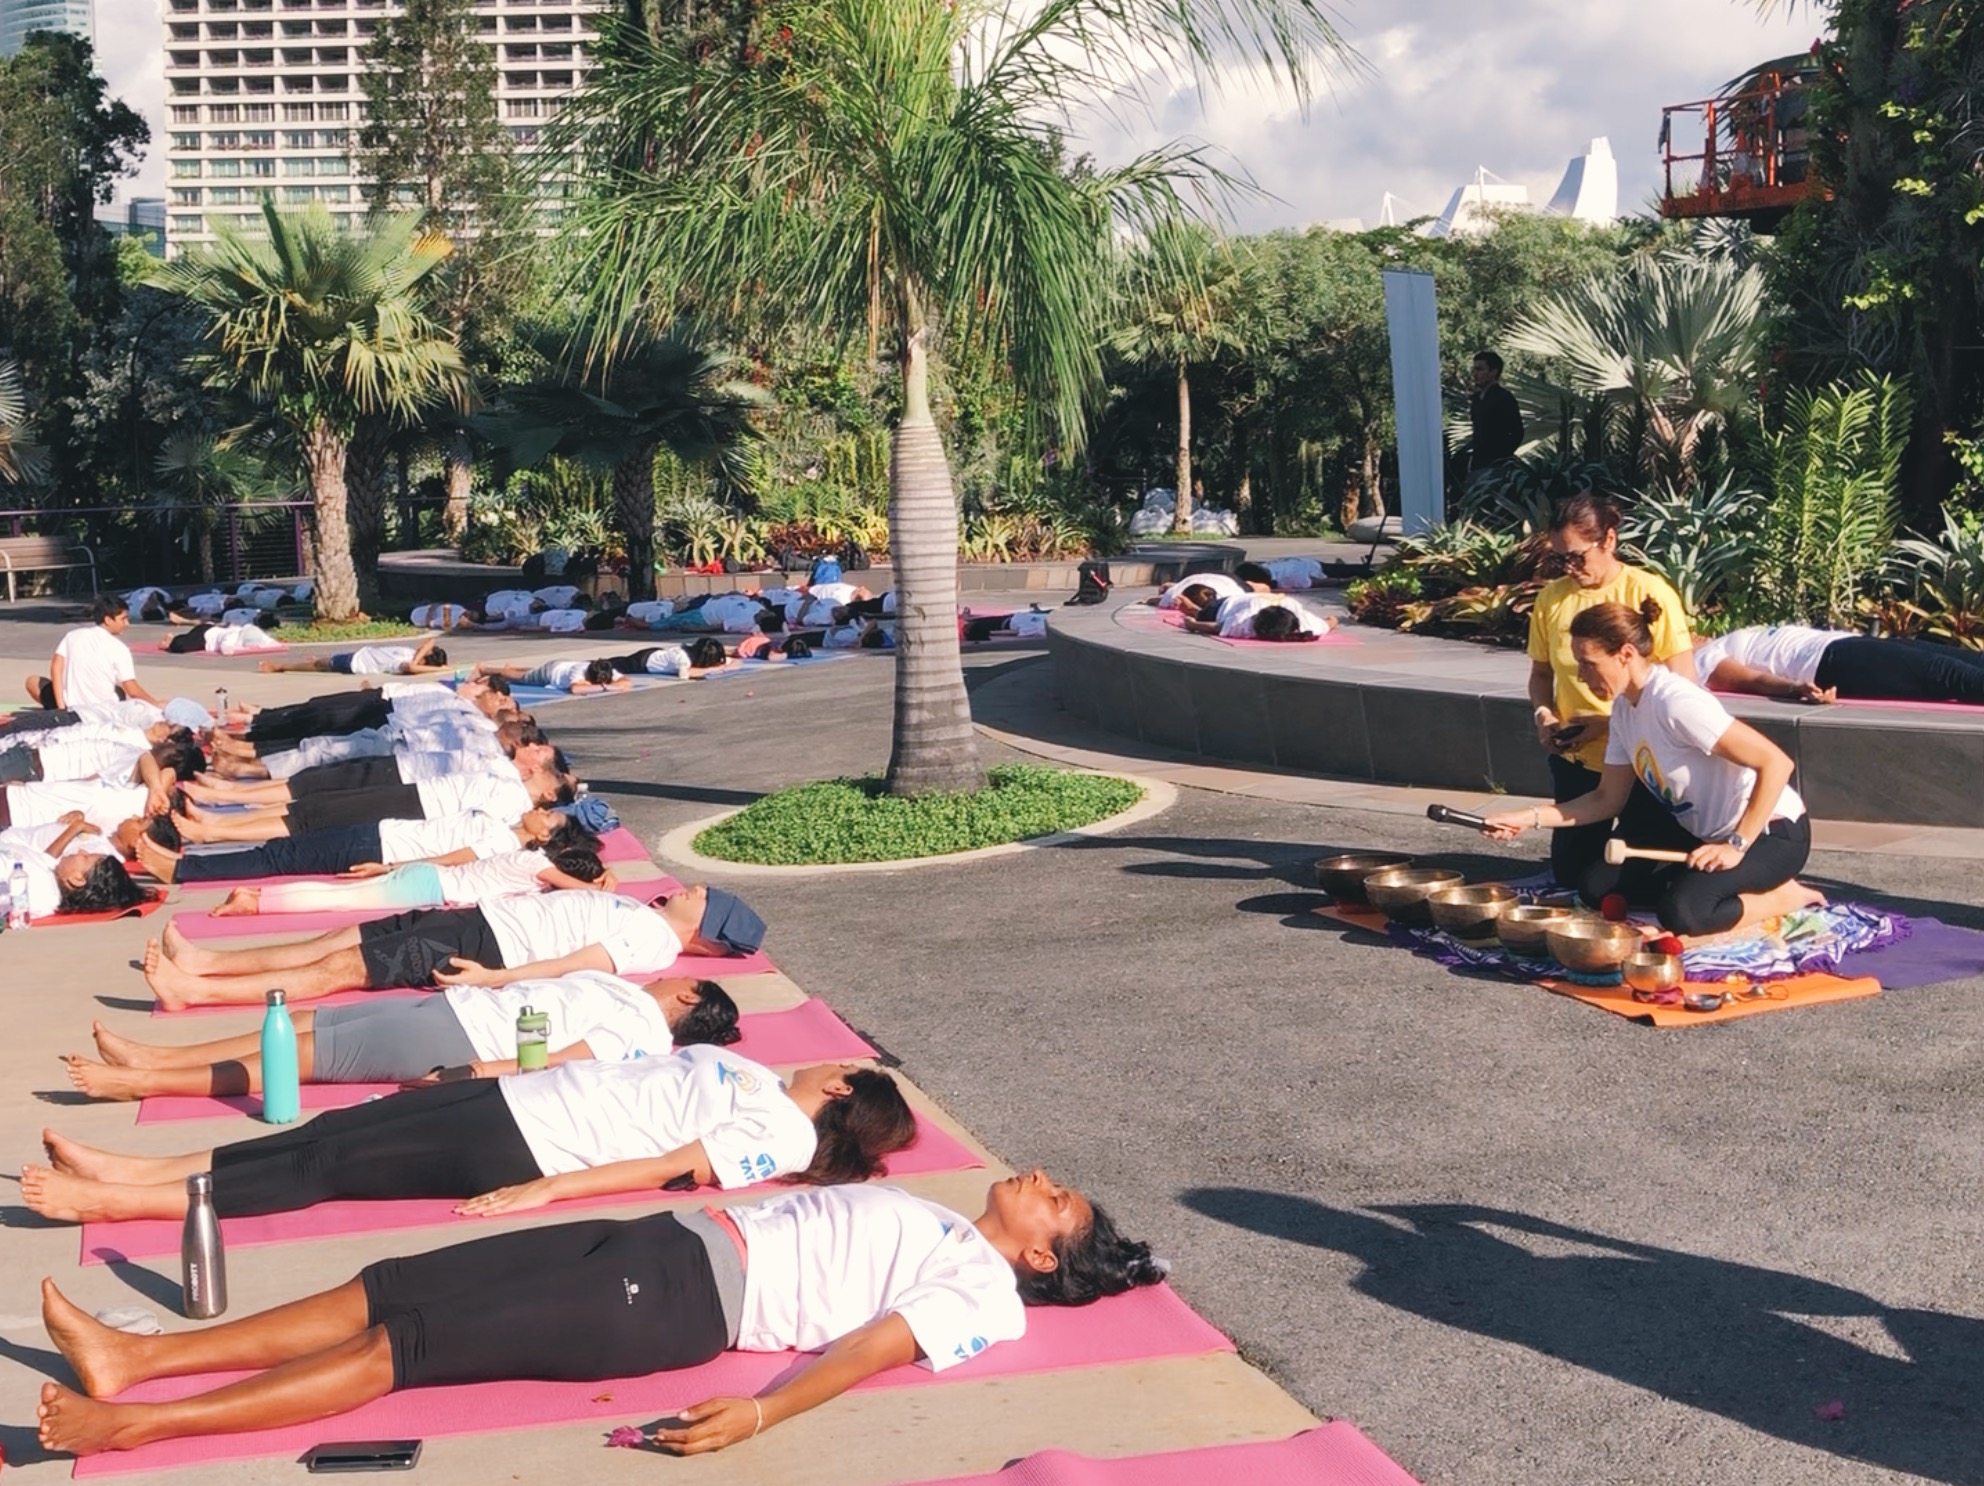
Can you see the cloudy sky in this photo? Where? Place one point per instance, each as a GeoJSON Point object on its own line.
{"type": "Point", "coordinates": [1518, 86]}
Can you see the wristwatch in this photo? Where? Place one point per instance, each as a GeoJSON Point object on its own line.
{"type": "Point", "coordinates": [1738, 840]}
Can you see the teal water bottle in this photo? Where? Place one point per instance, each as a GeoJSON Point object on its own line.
{"type": "Point", "coordinates": [280, 1100]}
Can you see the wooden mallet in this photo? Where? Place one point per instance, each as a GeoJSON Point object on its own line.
{"type": "Point", "coordinates": [1616, 851]}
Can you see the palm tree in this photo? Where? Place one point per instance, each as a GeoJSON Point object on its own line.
{"type": "Point", "coordinates": [617, 415]}
{"type": "Point", "coordinates": [20, 457]}
{"type": "Point", "coordinates": [322, 328]}
{"type": "Point", "coordinates": [896, 165]}
{"type": "Point", "coordinates": [1676, 342]}
{"type": "Point", "coordinates": [1177, 312]}
{"type": "Point", "coordinates": [195, 474]}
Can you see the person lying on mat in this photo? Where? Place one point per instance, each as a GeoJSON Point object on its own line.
{"type": "Point", "coordinates": [434, 1038]}
{"type": "Point", "coordinates": [223, 639]}
{"type": "Point", "coordinates": [92, 664]}
{"type": "Point", "coordinates": [691, 662]}
{"type": "Point", "coordinates": [1801, 664]}
{"type": "Point", "coordinates": [869, 1277]}
{"type": "Point", "coordinates": [373, 660]}
{"type": "Point", "coordinates": [503, 940]}
{"type": "Point", "coordinates": [466, 733]}
{"type": "Point", "coordinates": [444, 616]}
{"type": "Point", "coordinates": [69, 868]}
{"type": "Point", "coordinates": [583, 1129]}
{"type": "Point", "coordinates": [1024, 624]}
{"type": "Point", "coordinates": [508, 874]}
{"type": "Point", "coordinates": [1199, 589]}
{"type": "Point", "coordinates": [1726, 788]}
{"type": "Point", "coordinates": [578, 677]}
{"type": "Point", "coordinates": [767, 647]}
{"type": "Point", "coordinates": [133, 783]}
{"type": "Point", "coordinates": [380, 795]}
{"type": "Point", "coordinates": [339, 712]}
{"type": "Point", "coordinates": [409, 755]}
{"type": "Point", "coordinates": [377, 846]}
{"type": "Point", "coordinates": [1262, 616]}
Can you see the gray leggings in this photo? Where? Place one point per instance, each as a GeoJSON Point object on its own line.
{"type": "Point", "coordinates": [384, 1041]}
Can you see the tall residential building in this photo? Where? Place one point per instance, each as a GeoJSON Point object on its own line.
{"type": "Point", "coordinates": [264, 96]}
{"type": "Point", "coordinates": [19, 17]}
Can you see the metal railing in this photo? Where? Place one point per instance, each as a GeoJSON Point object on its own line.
{"type": "Point", "coordinates": [1754, 154]}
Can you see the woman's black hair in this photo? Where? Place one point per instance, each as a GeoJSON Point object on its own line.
{"type": "Point", "coordinates": [107, 606]}
{"type": "Point", "coordinates": [1277, 622]}
{"type": "Point", "coordinates": [600, 672]}
{"type": "Point", "coordinates": [108, 888]}
{"type": "Point", "coordinates": [796, 648]}
{"type": "Point", "coordinates": [577, 862]}
{"type": "Point", "coordinates": [1198, 595]}
{"type": "Point", "coordinates": [711, 1021]}
{"type": "Point", "coordinates": [165, 831]}
{"type": "Point", "coordinates": [1092, 1264]}
{"type": "Point", "coordinates": [498, 684]}
{"type": "Point", "coordinates": [569, 835]}
{"type": "Point", "coordinates": [857, 1130]}
{"type": "Point", "coordinates": [1253, 572]}
{"type": "Point", "coordinates": [1588, 512]}
{"type": "Point", "coordinates": [771, 621]}
{"type": "Point", "coordinates": [706, 652]}
{"type": "Point", "coordinates": [180, 754]}
{"type": "Point", "coordinates": [873, 639]}
{"type": "Point", "coordinates": [436, 657]}
{"type": "Point", "coordinates": [559, 763]}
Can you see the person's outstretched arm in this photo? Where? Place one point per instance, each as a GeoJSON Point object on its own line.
{"type": "Point", "coordinates": [1734, 676]}
{"type": "Point", "coordinates": [595, 1181]}
{"type": "Point", "coordinates": [469, 973]}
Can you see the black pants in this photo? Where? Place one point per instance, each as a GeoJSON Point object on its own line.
{"type": "Point", "coordinates": [451, 1140]}
{"type": "Point", "coordinates": [38, 720]}
{"type": "Point", "coordinates": [875, 608]}
{"type": "Point", "coordinates": [1692, 902]}
{"type": "Point", "coordinates": [309, 854]}
{"type": "Point", "coordinates": [635, 663]}
{"type": "Point", "coordinates": [20, 765]}
{"type": "Point", "coordinates": [194, 641]}
{"type": "Point", "coordinates": [326, 809]}
{"type": "Point", "coordinates": [1870, 670]}
{"type": "Point", "coordinates": [576, 1302]}
{"type": "Point", "coordinates": [321, 717]}
{"type": "Point", "coordinates": [374, 771]}
{"type": "Point", "coordinates": [406, 949]}
{"type": "Point", "coordinates": [1575, 849]}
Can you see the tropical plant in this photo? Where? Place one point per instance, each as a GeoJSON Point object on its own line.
{"type": "Point", "coordinates": [1941, 580]}
{"type": "Point", "coordinates": [20, 458]}
{"type": "Point", "coordinates": [1677, 343]}
{"type": "Point", "coordinates": [320, 328]}
{"type": "Point", "coordinates": [1835, 469]}
{"type": "Point", "coordinates": [897, 164]}
{"type": "Point", "coordinates": [1519, 494]}
{"type": "Point", "coordinates": [1461, 554]}
{"type": "Point", "coordinates": [194, 477]}
{"type": "Point", "coordinates": [1382, 598]}
{"type": "Point", "coordinates": [1703, 541]}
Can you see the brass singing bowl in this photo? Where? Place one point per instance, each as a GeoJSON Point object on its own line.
{"type": "Point", "coordinates": [1400, 892]}
{"type": "Point", "coordinates": [1342, 877]}
{"type": "Point", "coordinates": [1592, 946]}
{"type": "Point", "coordinates": [1522, 926]}
{"type": "Point", "coordinates": [1470, 912]}
{"type": "Point", "coordinates": [1649, 971]}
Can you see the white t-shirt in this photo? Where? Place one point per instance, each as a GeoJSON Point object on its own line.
{"type": "Point", "coordinates": [733, 613]}
{"type": "Point", "coordinates": [438, 616]}
{"type": "Point", "coordinates": [134, 712]}
{"type": "Point", "coordinates": [589, 1114]}
{"type": "Point", "coordinates": [648, 610]}
{"type": "Point", "coordinates": [29, 845]}
{"type": "Point", "coordinates": [825, 1261]}
{"type": "Point", "coordinates": [206, 605]}
{"type": "Point", "coordinates": [614, 1018]}
{"type": "Point", "coordinates": [137, 598]}
{"type": "Point", "coordinates": [557, 596]}
{"type": "Point", "coordinates": [94, 662]}
{"type": "Point", "coordinates": [410, 697]}
{"type": "Point", "coordinates": [441, 835]}
{"type": "Point", "coordinates": [563, 621]}
{"type": "Point", "coordinates": [1236, 615]}
{"type": "Point", "coordinates": [1029, 624]}
{"type": "Point", "coordinates": [105, 806]}
{"type": "Point", "coordinates": [669, 660]}
{"type": "Point", "coordinates": [1294, 572]}
{"type": "Point", "coordinates": [551, 925]}
{"type": "Point", "coordinates": [234, 637]}
{"type": "Point", "coordinates": [506, 602]}
{"type": "Point", "coordinates": [1668, 738]}
{"type": "Point", "coordinates": [266, 599]}
{"type": "Point", "coordinates": [1789, 650]}
{"type": "Point", "coordinates": [381, 660]}
{"type": "Point", "coordinates": [1222, 586]}
{"type": "Point", "coordinates": [502, 876]}
{"type": "Point", "coordinates": [559, 675]}
{"type": "Point", "coordinates": [232, 618]}
{"type": "Point", "coordinates": [92, 751]}
{"type": "Point", "coordinates": [492, 794]}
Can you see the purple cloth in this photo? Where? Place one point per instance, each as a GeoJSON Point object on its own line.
{"type": "Point", "coordinates": [1933, 953]}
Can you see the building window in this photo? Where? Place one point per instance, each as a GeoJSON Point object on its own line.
{"type": "Point", "coordinates": [298, 113]}
{"type": "Point", "coordinates": [260, 169]}
{"type": "Point", "coordinates": [224, 113]}
{"type": "Point", "coordinates": [187, 169]}
{"type": "Point", "coordinates": [185, 195]}
{"type": "Point", "coordinates": [259, 139]}
{"type": "Point", "coordinates": [338, 194]}
{"type": "Point", "coordinates": [193, 225]}
{"type": "Point", "coordinates": [258, 113]}
{"type": "Point", "coordinates": [330, 112]}
{"type": "Point", "coordinates": [226, 196]}
{"type": "Point", "coordinates": [186, 113]}
{"type": "Point", "coordinates": [297, 196]}
{"type": "Point", "coordinates": [186, 141]}
{"type": "Point", "coordinates": [222, 169]}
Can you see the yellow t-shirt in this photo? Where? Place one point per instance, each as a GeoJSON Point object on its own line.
{"type": "Point", "coordinates": [1561, 601]}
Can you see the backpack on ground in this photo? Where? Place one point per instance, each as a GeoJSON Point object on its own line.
{"type": "Point", "coordinates": [1092, 584]}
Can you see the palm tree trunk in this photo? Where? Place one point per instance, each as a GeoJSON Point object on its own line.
{"type": "Point", "coordinates": [365, 492]}
{"type": "Point", "coordinates": [633, 513]}
{"type": "Point", "coordinates": [1181, 510]}
{"type": "Point", "coordinates": [458, 465]}
{"type": "Point", "coordinates": [337, 581]}
{"type": "Point", "coordinates": [1243, 492]}
{"type": "Point", "coordinates": [934, 747]}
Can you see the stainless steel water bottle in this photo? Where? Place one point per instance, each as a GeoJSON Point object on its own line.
{"type": "Point", "coordinates": [202, 1264]}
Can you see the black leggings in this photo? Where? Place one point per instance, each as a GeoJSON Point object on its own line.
{"type": "Point", "coordinates": [1692, 902]}
{"type": "Point", "coordinates": [1574, 849]}
{"type": "Point", "coordinates": [577, 1302]}
{"type": "Point", "coordinates": [36, 719]}
{"type": "Point", "coordinates": [326, 809]}
{"type": "Point", "coordinates": [326, 716]}
{"type": "Point", "coordinates": [451, 1140]}
{"type": "Point", "coordinates": [1870, 670]}
{"type": "Point", "coordinates": [374, 771]}
{"type": "Point", "coordinates": [307, 854]}
{"type": "Point", "coordinates": [633, 664]}
{"type": "Point", "coordinates": [192, 642]}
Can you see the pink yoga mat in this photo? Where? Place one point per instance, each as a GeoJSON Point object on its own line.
{"type": "Point", "coordinates": [160, 645]}
{"type": "Point", "coordinates": [617, 845]}
{"type": "Point", "coordinates": [1137, 1327]}
{"type": "Point", "coordinates": [936, 1149]}
{"type": "Point", "coordinates": [808, 1033]}
{"type": "Point", "coordinates": [1335, 1454]}
{"type": "Point", "coordinates": [200, 926]}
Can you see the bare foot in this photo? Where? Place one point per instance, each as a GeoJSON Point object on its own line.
{"type": "Point", "coordinates": [268, 665]}
{"type": "Point", "coordinates": [76, 1425]}
{"type": "Point", "coordinates": [101, 1081]}
{"type": "Point", "coordinates": [65, 1198]}
{"type": "Point", "coordinates": [241, 903]}
{"type": "Point", "coordinates": [73, 1158]}
{"type": "Point", "coordinates": [157, 860]}
{"type": "Point", "coordinates": [103, 1358]}
{"type": "Point", "coordinates": [182, 951]}
{"type": "Point", "coordinates": [165, 979]}
{"type": "Point", "coordinates": [122, 1052]}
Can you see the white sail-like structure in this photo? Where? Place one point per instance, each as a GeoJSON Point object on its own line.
{"type": "Point", "coordinates": [1589, 191]}
{"type": "Point", "coordinates": [1472, 209]}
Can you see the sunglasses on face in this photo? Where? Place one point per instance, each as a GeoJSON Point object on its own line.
{"type": "Point", "coordinates": [1571, 562]}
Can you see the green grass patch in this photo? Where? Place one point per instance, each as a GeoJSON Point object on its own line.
{"type": "Point", "coordinates": [371, 629]}
{"type": "Point", "coordinates": [852, 820]}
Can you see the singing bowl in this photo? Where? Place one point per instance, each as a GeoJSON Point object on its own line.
{"type": "Point", "coordinates": [1343, 877]}
{"type": "Point", "coordinates": [1522, 926]}
{"type": "Point", "coordinates": [1470, 912]}
{"type": "Point", "coordinates": [1400, 892]}
{"type": "Point", "coordinates": [1648, 971]}
{"type": "Point", "coordinates": [1592, 946]}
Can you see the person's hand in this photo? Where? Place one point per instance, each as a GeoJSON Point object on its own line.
{"type": "Point", "coordinates": [1714, 856]}
{"type": "Point", "coordinates": [608, 881]}
{"type": "Point", "coordinates": [426, 1080]}
{"type": "Point", "coordinates": [77, 818]}
{"type": "Point", "coordinates": [518, 1199]}
{"type": "Point", "coordinates": [1507, 826]}
{"type": "Point", "coordinates": [367, 869]}
{"type": "Point", "coordinates": [467, 973]}
{"type": "Point", "coordinates": [1818, 696]}
{"type": "Point", "coordinates": [1547, 722]}
{"type": "Point", "coordinates": [158, 799]}
{"type": "Point", "coordinates": [711, 1425]}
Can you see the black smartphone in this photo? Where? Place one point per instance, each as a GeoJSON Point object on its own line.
{"type": "Point", "coordinates": [363, 1455]}
{"type": "Point", "coordinates": [1568, 734]}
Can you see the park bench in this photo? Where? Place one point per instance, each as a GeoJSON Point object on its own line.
{"type": "Point", "coordinates": [44, 555]}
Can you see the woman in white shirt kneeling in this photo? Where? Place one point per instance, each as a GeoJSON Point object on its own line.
{"type": "Point", "coordinates": [1728, 788]}
{"type": "Point", "coordinates": [870, 1277]}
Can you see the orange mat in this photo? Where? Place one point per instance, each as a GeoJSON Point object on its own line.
{"type": "Point", "coordinates": [1799, 990]}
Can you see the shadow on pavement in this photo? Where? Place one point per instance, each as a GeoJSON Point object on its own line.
{"type": "Point", "coordinates": [1716, 1335]}
{"type": "Point", "coordinates": [694, 794]}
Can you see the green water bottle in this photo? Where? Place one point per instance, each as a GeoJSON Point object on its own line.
{"type": "Point", "coordinates": [533, 1040]}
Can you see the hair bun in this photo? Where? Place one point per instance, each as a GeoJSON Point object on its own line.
{"type": "Point", "coordinates": [1650, 610]}
{"type": "Point", "coordinates": [1149, 1268]}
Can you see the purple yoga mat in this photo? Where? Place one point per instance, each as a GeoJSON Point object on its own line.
{"type": "Point", "coordinates": [1933, 952]}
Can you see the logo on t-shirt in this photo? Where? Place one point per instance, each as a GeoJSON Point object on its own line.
{"type": "Point", "coordinates": [759, 1167]}
{"type": "Point", "coordinates": [747, 1083]}
{"type": "Point", "coordinates": [1648, 768]}
{"type": "Point", "coordinates": [967, 1350]}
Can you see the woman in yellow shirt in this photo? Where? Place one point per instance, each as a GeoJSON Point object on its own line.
{"type": "Point", "coordinates": [1571, 721]}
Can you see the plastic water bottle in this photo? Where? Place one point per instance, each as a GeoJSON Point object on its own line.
{"type": "Point", "coordinates": [280, 1099]}
{"type": "Point", "coordinates": [202, 1263]}
{"type": "Point", "coordinates": [533, 1040]}
{"type": "Point", "coordinates": [17, 897]}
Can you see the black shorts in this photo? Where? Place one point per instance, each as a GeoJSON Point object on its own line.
{"type": "Point", "coordinates": [578, 1302]}
{"type": "Point", "coordinates": [406, 949]}
{"type": "Point", "coordinates": [320, 809]}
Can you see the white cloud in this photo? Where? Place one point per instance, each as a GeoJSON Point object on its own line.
{"type": "Point", "coordinates": [130, 55]}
